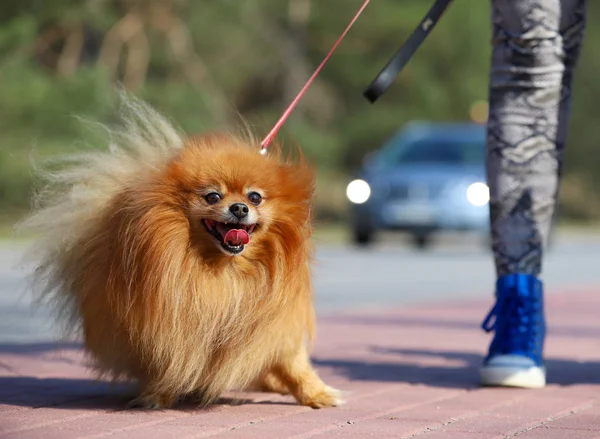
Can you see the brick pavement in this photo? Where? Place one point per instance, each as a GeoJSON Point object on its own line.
{"type": "Point", "coordinates": [408, 373]}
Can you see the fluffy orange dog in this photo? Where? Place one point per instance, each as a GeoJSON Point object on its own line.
{"type": "Point", "coordinates": [184, 263]}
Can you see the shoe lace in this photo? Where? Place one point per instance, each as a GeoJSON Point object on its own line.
{"type": "Point", "coordinates": [516, 321]}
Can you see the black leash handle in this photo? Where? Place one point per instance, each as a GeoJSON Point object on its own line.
{"type": "Point", "coordinates": [386, 77]}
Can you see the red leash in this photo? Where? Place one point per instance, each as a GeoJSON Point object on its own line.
{"type": "Point", "coordinates": [269, 138]}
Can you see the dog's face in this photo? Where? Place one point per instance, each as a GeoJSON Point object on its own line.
{"type": "Point", "coordinates": [237, 199]}
{"type": "Point", "coordinates": [229, 215]}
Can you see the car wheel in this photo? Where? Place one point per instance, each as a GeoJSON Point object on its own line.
{"type": "Point", "coordinates": [363, 237]}
{"type": "Point", "coordinates": [421, 241]}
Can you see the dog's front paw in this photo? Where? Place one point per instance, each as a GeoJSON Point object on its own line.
{"type": "Point", "coordinates": [327, 397]}
{"type": "Point", "coordinates": [151, 402]}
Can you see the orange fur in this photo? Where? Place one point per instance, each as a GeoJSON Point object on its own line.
{"type": "Point", "coordinates": [156, 298]}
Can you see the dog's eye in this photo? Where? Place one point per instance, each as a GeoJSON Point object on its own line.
{"type": "Point", "coordinates": [254, 198]}
{"type": "Point", "coordinates": [213, 198]}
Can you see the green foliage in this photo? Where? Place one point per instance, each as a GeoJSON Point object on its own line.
{"type": "Point", "coordinates": [35, 102]}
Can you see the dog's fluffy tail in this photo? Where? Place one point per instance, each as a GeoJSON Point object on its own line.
{"type": "Point", "coordinates": [76, 189]}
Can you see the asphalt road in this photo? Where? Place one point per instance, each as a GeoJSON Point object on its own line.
{"type": "Point", "coordinates": [387, 275]}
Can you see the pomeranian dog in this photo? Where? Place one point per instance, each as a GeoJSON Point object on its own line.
{"type": "Point", "coordinates": [184, 263]}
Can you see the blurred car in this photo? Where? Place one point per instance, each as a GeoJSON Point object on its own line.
{"type": "Point", "coordinates": [428, 177]}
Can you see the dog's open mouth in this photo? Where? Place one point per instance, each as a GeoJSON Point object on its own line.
{"type": "Point", "coordinates": [232, 237]}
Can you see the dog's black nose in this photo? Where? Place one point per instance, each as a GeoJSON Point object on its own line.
{"type": "Point", "coordinates": [239, 209]}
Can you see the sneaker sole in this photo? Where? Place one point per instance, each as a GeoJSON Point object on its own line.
{"type": "Point", "coordinates": [530, 378]}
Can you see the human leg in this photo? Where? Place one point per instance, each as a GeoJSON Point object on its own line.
{"type": "Point", "coordinates": [535, 49]}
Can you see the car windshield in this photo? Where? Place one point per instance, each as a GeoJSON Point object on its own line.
{"type": "Point", "coordinates": [434, 151]}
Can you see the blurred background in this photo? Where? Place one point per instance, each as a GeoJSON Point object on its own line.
{"type": "Point", "coordinates": [412, 162]}
{"type": "Point", "coordinates": [213, 63]}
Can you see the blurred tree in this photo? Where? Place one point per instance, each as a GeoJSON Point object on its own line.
{"type": "Point", "coordinates": [214, 62]}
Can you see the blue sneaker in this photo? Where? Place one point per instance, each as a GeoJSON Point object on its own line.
{"type": "Point", "coordinates": [517, 319]}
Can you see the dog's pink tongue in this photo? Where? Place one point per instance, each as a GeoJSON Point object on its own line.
{"type": "Point", "coordinates": [237, 237]}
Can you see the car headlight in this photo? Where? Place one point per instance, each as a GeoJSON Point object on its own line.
{"type": "Point", "coordinates": [478, 194]}
{"type": "Point", "coordinates": [358, 191]}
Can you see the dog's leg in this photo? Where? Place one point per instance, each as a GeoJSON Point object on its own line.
{"type": "Point", "coordinates": [298, 375]}
{"type": "Point", "coordinates": [151, 402]}
{"type": "Point", "coordinates": [151, 399]}
{"type": "Point", "coordinates": [269, 382]}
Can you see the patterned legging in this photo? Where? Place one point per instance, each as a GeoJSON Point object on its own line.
{"type": "Point", "coordinates": [536, 44]}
